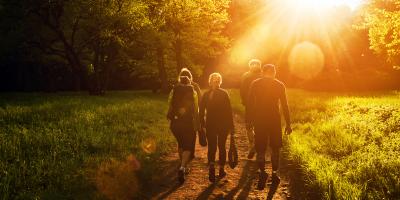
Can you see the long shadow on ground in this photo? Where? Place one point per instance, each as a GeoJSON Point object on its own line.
{"type": "Point", "coordinates": [246, 180]}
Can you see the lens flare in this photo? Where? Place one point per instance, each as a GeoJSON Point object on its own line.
{"type": "Point", "coordinates": [148, 145]}
{"type": "Point", "coordinates": [306, 60]}
{"type": "Point", "coordinates": [117, 179]}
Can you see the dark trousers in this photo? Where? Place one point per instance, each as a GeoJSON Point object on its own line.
{"type": "Point", "coordinates": [268, 136]}
{"type": "Point", "coordinates": [216, 138]}
{"type": "Point", "coordinates": [274, 158]}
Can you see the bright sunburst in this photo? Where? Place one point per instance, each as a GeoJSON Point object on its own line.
{"type": "Point", "coordinates": [322, 4]}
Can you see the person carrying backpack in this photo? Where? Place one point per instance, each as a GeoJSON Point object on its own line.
{"type": "Point", "coordinates": [184, 121]}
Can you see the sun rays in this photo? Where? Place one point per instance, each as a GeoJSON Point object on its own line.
{"type": "Point", "coordinates": [281, 25]}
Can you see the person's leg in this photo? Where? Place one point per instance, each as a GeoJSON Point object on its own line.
{"type": "Point", "coordinates": [186, 136]}
{"type": "Point", "coordinates": [192, 155]}
{"type": "Point", "coordinates": [250, 135]}
{"type": "Point", "coordinates": [260, 146]}
{"type": "Point", "coordinates": [222, 136]}
{"type": "Point", "coordinates": [185, 158]}
{"type": "Point", "coordinates": [180, 151]}
{"type": "Point", "coordinates": [275, 163]}
{"type": "Point", "coordinates": [212, 149]}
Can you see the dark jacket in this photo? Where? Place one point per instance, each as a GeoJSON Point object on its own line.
{"type": "Point", "coordinates": [216, 111]}
{"type": "Point", "coordinates": [246, 81]}
{"type": "Point", "coordinates": [264, 97]}
{"type": "Point", "coordinates": [183, 105]}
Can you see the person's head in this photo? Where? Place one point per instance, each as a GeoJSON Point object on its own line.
{"type": "Point", "coordinates": [186, 72]}
{"type": "Point", "coordinates": [269, 70]}
{"type": "Point", "coordinates": [184, 80]}
{"type": "Point", "coordinates": [255, 65]}
{"type": "Point", "coordinates": [215, 80]}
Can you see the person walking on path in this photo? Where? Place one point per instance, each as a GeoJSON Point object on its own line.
{"type": "Point", "coordinates": [247, 78]}
{"type": "Point", "coordinates": [264, 96]}
{"type": "Point", "coordinates": [184, 121]}
{"type": "Point", "coordinates": [196, 87]}
{"type": "Point", "coordinates": [216, 116]}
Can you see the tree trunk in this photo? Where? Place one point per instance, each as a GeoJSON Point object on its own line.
{"type": "Point", "coordinates": [178, 54]}
{"type": "Point", "coordinates": [94, 82]}
{"type": "Point", "coordinates": [162, 73]}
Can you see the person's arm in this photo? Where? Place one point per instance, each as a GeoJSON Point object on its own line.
{"type": "Point", "coordinates": [285, 108]}
{"type": "Point", "coordinates": [243, 90]}
{"type": "Point", "coordinates": [169, 113]}
{"type": "Point", "coordinates": [202, 109]}
{"type": "Point", "coordinates": [230, 113]}
{"type": "Point", "coordinates": [251, 101]}
{"type": "Point", "coordinates": [196, 111]}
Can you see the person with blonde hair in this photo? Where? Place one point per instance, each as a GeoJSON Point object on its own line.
{"type": "Point", "coordinates": [183, 116]}
{"type": "Point", "coordinates": [216, 117]}
{"type": "Point", "coordinates": [196, 87]}
{"type": "Point", "coordinates": [247, 78]}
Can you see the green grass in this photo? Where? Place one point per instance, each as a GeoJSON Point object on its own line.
{"type": "Point", "coordinates": [347, 144]}
{"type": "Point", "coordinates": [66, 145]}
{"type": "Point", "coordinates": [74, 146]}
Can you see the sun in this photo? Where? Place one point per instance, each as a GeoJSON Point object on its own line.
{"type": "Point", "coordinates": [323, 4]}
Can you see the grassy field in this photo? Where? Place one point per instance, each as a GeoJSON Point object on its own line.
{"type": "Point", "coordinates": [347, 145]}
{"type": "Point", "coordinates": [74, 146]}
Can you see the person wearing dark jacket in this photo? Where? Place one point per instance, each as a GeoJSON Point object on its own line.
{"type": "Point", "coordinates": [184, 121]}
{"type": "Point", "coordinates": [264, 97]}
{"type": "Point", "coordinates": [247, 78]}
{"type": "Point", "coordinates": [216, 116]}
{"type": "Point", "coordinates": [196, 87]}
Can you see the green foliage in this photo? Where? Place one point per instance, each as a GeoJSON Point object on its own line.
{"type": "Point", "coordinates": [54, 144]}
{"type": "Point", "coordinates": [382, 19]}
{"type": "Point", "coordinates": [347, 144]}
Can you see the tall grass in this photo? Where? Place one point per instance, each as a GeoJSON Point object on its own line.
{"type": "Point", "coordinates": [348, 144]}
{"type": "Point", "coordinates": [66, 145]}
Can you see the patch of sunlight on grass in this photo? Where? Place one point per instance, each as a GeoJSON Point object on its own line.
{"type": "Point", "coordinates": [348, 144]}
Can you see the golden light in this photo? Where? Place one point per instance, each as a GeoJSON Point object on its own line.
{"type": "Point", "coordinates": [323, 4]}
{"type": "Point", "coordinates": [306, 60]}
{"type": "Point", "coordinates": [246, 48]}
{"type": "Point", "coordinates": [118, 179]}
{"type": "Point", "coordinates": [281, 28]}
{"type": "Point", "coordinates": [148, 145]}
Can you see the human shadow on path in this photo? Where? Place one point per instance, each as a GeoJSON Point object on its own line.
{"type": "Point", "coordinates": [272, 190]}
{"type": "Point", "coordinates": [167, 182]}
{"type": "Point", "coordinates": [207, 192]}
{"type": "Point", "coordinates": [246, 179]}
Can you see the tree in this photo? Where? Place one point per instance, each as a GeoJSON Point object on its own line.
{"type": "Point", "coordinates": [382, 19]}
{"type": "Point", "coordinates": [87, 35]}
{"type": "Point", "coordinates": [184, 34]}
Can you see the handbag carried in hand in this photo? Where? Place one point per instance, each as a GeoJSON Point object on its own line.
{"type": "Point", "coordinates": [233, 159]}
{"type": "Point", "coordinates": [202, 137]}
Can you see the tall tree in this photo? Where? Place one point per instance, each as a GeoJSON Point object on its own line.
{"type": "Point", "coordinates": [382, 19]}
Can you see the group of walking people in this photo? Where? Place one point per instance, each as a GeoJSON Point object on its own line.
{"type": "Point", "coordinates": [191, 112]}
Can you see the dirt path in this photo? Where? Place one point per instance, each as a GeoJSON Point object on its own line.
{"type": "Point", "coordinates": [240, 183]}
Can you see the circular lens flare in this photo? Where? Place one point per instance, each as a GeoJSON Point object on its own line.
{"type": "Point", "coordinates": [148, 145]}
{"type": "Point", "coordinates": [306, 60]}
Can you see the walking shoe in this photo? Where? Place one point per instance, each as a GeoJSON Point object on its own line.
{"type": "Point", "coordinates": [187, 170]}
{"type": "Point", "coordinates": [251, 154]}
{"type": "Point", "coordinates": [181, 175]}
{"type": "Point", "coordinates": [262, 179]}
{"type": "Point", "coordinates": [221, 173]}
{"type": "Point", "coordinates": [211, 174]}
{"type": "Point", "coordinates": [275, 178]}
